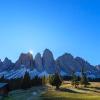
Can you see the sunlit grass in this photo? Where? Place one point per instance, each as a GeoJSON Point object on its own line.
{"type": "Point", "coordinates": [67, 93]}
{"type": "Point", "coordinates": [59, 95]}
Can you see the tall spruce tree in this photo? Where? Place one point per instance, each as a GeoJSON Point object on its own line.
{"type": "Point", "coordinates": [26, 82]}
{"type": "Point", "coordinates": [2, 79]}
{"type": "Point", "coordinates": [43, 80]}
{"type": "Point", "coordinates": [84, 79]}
{"type": "Point", "coordinates": [74, 81]}
{"type": "Point", "coordinates": [55, 80]}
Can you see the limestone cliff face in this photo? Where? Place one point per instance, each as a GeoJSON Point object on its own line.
{"type": "Point", "coordinates": [97, 67]}
{"type": "Point", "coordinates": [46, 63]}
{"type": "Point", "coordinates": [38, 62]}
{"type": "Point", "coordinates": [25, 60]}
{"type": "Point", "coordinates": [49, 62]}
{"type": "Point", "coordinates": [0, 62]}
{"type": "Point", "coordinates": [6, 64]}
{"type": "Point", "coordinates": [67, 63]}
{"type": "Point", "coordinates": [82, 63]}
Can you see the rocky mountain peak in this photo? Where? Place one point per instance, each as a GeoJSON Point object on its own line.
{"type": "Point", "coordinates": [6, 64]}
{"type": "Point", "coordinates": [83, 63]}
{"type": "Point", "coordinates": [47, 52]}
{"type": "Point", "coordinates": [68, 63]}
{"type": "Point", "coordinates": [0, 63]}
{"type": "Point", "coordinates": [98, 67]}
{"type": "Point", "coordinates": [25, 59]}
{"type": "Point", "coordinates": [48, 61]}
{"type": "Point", "coordinates": [38, 62]}
{"type": "Point", "coordinates": [7, 60]}
{"type": "Point", "coordinates": [67, 55]}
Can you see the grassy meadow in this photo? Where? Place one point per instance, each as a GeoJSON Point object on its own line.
{"type": "Point", "coordinates": [66, 92]}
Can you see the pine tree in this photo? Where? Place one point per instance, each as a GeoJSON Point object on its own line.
{"type": "Point", "coordinates": [2, 79]}
{"type": "Point", "coordinates": [36, 81]}
{"type": "Point", "coordinates": [43, 80]}
{"type": "Point", "coordinates": [84, 79]}
{"type": "Point", "coordinates": [26, 82]}
{"type": "Point", "coordinates": [55, 80]}
{"type": "Point", "coordinates": [75, 81]}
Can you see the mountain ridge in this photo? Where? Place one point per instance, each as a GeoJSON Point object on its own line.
{"type": "Point", "coordinates": [47, 64]}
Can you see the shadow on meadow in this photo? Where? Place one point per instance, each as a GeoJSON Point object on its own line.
{"type": "Point", "coordinates": [88, 89]}
{"type": "Point", "coordinates": [98, 88]}
{"type": "Point", "coordinates": [67, 90]}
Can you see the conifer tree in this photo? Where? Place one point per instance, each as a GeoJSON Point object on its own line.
{"type": "Point", "coordinates": [45, 80]}
{"type": "Point", "coordinates": [74, 81]}
{"type": "Point", "coordinates": [36, 80]}
{"type": "Point", "coordinates": [84, 79]}
{"type": "Point", "coordinates": [55, 80]}
{"type": "Point", "coordinates": [2, 79]}
{"type": "Point", "coordinates": [26, 82]}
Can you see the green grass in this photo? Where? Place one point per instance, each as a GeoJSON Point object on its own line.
{"type": "Point", "coordinates": [59, 95]}
{"type": "Point", "coordinates": [66, 92]}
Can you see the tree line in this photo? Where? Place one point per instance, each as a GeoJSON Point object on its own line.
{"type": "Point", "coordinates": [23, 82]}
{"type": "Point", "coordinates": [55, 80]}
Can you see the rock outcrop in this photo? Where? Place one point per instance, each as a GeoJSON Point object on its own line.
{"type": "Point", "coordinates": [38, 62]}
{"type": "Point", "coordinates": [84, 64]}
{"type": "Point", "coordinates": [49, 62]}
{"type": "Point", "coordinates": [67, 63]}
{"type": "Point", "coordinates": [97, 67]}
{"type": "Point", "coordinates": [0, 62]}
{"type": "Point", "coordinates": [6, 64]}
{"type": "Point", "coordinates": [25, 60]}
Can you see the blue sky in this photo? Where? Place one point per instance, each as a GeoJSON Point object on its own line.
{"type": "Point", "coordinates": [61, 25]}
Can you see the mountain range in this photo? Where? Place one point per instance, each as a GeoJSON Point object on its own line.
{"type": "Point", "coordinates": [44, 65]}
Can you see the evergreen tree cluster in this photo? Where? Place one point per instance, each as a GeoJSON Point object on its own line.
{"type": "Point", "coordinates": [23, 82]}
{"type": "Point", "coordinates": [83, 80]}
